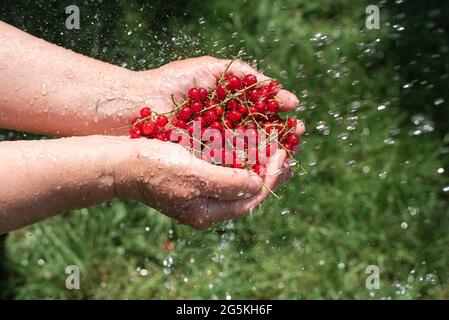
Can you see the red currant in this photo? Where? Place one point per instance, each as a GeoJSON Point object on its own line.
{"type": "Point", "coordinates": [193, 94]}
{"type": "Point", "coordinates": [185, 113]}
{"type": "Point", "coordinates": [145, 112]}
{"type": "Point", "coordinates": [234, 83]}
{"type": "Point", "coordinates": [149, 127]}
{"type": "Point", "coordinates": [135, 133]}
{"type": "Point", "coordinates": [162, 121]}
{"type": "Point", "coordinates": [249, 80]}
{"type": "Point", "coordinates": [261, 106]}
{"type": "Point", "coordinates": [221, 92]}
{"type": "Point", "coordinates": [273, 105]}
{"type": "Point", "coordinates": [219, 111]}
{"type": "Point", "coordinates": [291, 122]}
{"type": "Point", "coordinates": [197, 106]}
{"type": "Point", "coordinates": [202, 93]}
{"type": "Point", "coordinates": [292, 139]}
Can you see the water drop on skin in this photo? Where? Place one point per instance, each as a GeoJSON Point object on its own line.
{"type": "Point", "coordinates": [44, 89]}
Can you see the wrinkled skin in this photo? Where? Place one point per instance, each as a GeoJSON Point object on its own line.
{"type": "Point", "coordinates": [189, 189]}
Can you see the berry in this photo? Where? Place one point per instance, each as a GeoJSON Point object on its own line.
{"type": "Point", "coordinates": [219, 111]}
{"type": "Point", "coordinates": [265, 92]}
{"type": "Point", "coordinates": [193, 94]}
{"type": "Point", "coordinates": [253, 95]}
{"type": "Point", "coordinates": [234, 116]}
{"type": "Point", "coordinates": [274, 87]}
{"type": "Point", "coordinates": [135, 133]}
{"type": "Point", "coordinates": [232, 104]}
{"type": "Point", "coordinates": [228, 124]}
{"type": "Point", "coordinates": [181, 124]}
{"type": "Point", "coordinates": [273, 105]}
{"type": "Point", "coordinates": [161, 121]}
{"type": "Point", "coordinates": [196, 106]}
{"type": "Point", "coordinates": [210, 116]}
{"type": "Point", "coordinates": [216, 125]}
{"type": "Point", "coordinates": [202, 93]}
{"type": "Point", "coordinates": [242, 109]}
{"type": "Point", "coordinates": [288, 146]}
{"type": "Point", "coordinates": [261, 107]}
{"type": "Point", "coordinates": [291, 122]}
{"type": "Point", "coordinates": [149, 127]}
{"type": "Point", "coordinates": [185, 113]}
{"type": "Point", "coordinates": [249, 80]}
{"type": "Point", "coordinates": [161, 136]}
{"type": "Point", "coordinates": [254, 112]}
{"type": "Point", "coordinates": [292, 139]}
{"type": "Point", "coordinates": [220, 92]}
{"type": "Point", "coordinates": [145, 112]}
{"type": "Point", "coordinates": [234, 83]}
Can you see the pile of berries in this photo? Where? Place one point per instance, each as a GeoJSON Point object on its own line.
{"type": "Point", "coordinates": [242, 114]}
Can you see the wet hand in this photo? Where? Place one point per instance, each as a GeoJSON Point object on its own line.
{"type": "Point", "coordinates": [167, 177]}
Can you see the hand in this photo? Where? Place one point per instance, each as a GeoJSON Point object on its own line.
{"type": "Point", "coordinates": [178, 77]}
{"type": "Point", "coordinates": [167, 177]}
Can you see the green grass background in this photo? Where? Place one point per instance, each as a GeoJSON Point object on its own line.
{"type": "Point", "coordinates": [376, 136]}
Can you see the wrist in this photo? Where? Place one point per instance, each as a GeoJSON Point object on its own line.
{"type": "Point", "coordinates": [128, 161]}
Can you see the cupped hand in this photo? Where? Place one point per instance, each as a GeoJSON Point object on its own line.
{"type": "Point", "coordinates": [169, 178]}
{"type": "Point", "coordinates": [199, 194]}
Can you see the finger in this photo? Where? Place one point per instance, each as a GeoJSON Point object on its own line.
{"type": "Point", "coordinates": [300, 128]}
{"type": "Point", "coordinates": [228, 184]}
{"type": "Point", "coordinates": [241, 69]}
{"type": "Point", "coordinates": [288, 100]}
{"type": "Point", "coordinates": [223, 210]}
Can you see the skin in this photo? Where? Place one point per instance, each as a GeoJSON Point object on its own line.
{"type": "Point", "coordinates": [50, 90]}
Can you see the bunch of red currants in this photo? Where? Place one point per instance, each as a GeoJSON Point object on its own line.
{"type": "Point", "coordinates": [235, 124]}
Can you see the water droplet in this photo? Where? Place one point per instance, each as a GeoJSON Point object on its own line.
{"type": "Point", "coordinates": [413, 211]}
{"type": "Point", "coordinates": [438, 101]}
{"type": "Point", "coordinates": [44, 89]}
{"type": "Point", "coordinates": [143, 272]}
{"type": "Point", "coordinates": [323, 128]}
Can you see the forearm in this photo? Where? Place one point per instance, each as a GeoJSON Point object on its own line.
{"type": "Point", "coordinates": [41, 178]}
{"type": "Point", "coordinates": [51, 90]}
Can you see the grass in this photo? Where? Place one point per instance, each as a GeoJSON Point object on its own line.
{"type": "Point", "coordinates": [372, 195]}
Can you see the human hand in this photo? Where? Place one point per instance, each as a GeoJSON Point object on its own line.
{"type": "Point", "coordinates": [169, 178]}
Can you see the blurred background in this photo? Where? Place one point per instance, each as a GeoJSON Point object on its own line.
{"type": "Point", "coordinates": [376, 107]}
